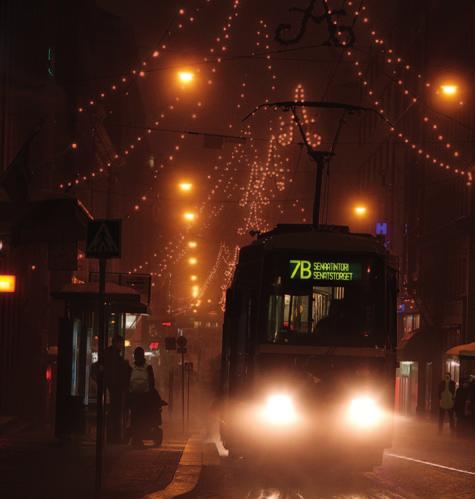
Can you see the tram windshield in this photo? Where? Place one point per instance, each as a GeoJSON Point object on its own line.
{"type": "Point", "coordinates": [323, 302]}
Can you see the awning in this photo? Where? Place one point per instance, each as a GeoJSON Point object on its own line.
{"type": "Point", "coordinates": [466, 350]}
{"type": "Point", "coordinates": [120, 299]}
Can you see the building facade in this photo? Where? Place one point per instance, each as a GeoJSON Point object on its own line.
{"type": "Point", "coordinates": [429, 210]}
{"type": "Point", "coordinates": [52, 57]}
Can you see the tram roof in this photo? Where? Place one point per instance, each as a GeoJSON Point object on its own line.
{"type": "Point", "coordinates": [324, 238]}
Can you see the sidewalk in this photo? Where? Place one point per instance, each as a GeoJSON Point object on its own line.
{"type": "Point", "coordinates": [34, 466]}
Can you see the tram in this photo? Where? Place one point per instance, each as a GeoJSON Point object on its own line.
{"type": "Point", "coordinates": [309, 348]}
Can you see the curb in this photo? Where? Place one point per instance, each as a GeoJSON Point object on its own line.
{"type": "Point", "coordinates": [187, 473]}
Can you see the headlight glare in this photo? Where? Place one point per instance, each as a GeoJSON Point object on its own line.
{"type": "Point", "coordinates": [364, 412]}
{"type": "Point", "coordinates": [279, 410]}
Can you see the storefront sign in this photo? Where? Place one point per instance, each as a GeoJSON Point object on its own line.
{"type": "Point", "coordinates": [324, 270]}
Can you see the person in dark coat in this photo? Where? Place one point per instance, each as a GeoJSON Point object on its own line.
{"type": "Point", "coordinates": [116, 376]}
{"type": "Point", "coordinates": [471, 397]}
{"type": "Point", "coordinates": [446, 401]}
{"type": "Point", "coordinates": [461, 397]}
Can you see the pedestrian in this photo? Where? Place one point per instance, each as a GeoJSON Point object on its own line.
{"type": "Point", "coordinates": [471, 404]}
{"type": "Point", "coordinates": [144, 419]}
{"type": "Point", "coordinates": [460, 403]}
{"type": "Point", "coordinates": [116, 374]}
{"type": "Point", "coordinates": [446, 401]}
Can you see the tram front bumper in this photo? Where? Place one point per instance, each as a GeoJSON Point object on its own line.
{"type": "Point", "coordinates": [279, 425]}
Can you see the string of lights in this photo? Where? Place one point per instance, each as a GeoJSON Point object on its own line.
{"type": "Point", "coordinates": [212, 274]}
{"type": "Point", "coordinates": [392, 58]}
{"type": "Point", "coordinates": [120, 157]}
{"type": "Point", "coordinates": [226, 29]}
{"type": "Point", "coordinates": [404, 138]}
{"type": "Point", "coordinates": [170, 256]}
{"type": "Point", "coordinates": [124, 80]}
{"type": "Point", "coordinates": [182, 19]}
{"type": "Point", "coordinates": [228, 275]}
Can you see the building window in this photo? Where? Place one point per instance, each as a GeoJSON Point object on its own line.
{"type": "Point", "coordinates": [411, 322]}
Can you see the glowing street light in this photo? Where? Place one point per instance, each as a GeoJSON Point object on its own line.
{"type": "Point", "coordinates": [7, 283]}
{"type": "Point", "coordinates": [192, 244]}
{"type": "Point", "coordinates": [185, 77]}
{"type": "Point", "coordinates": [193, 277]}
{"type": "Point", "coordinates": [185, 186]}
{"type": "Point", "coordinates": [195, 291]}
{"type": "Point", "coordinates": [449, 89]}
{"type": "Point", "coordinates": [192, 260]}
{"type": "Point", "coordinates": [189, 216]}
{"type": "Point", "coordinates": [360, 210]}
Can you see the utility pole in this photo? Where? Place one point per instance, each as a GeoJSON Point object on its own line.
{"type": "Point", "coordinates": [181, 342]}
{"type": "Point", "coordinates": [100, 419]}
{"type": "Point", "coordinates": [321, 158]}
{"type": "Point", "coordinates": [103, 242]}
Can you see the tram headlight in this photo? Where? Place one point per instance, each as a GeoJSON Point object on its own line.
{"type": "Point", "coordinates": [279, 410]}
{"type": "Point", "coordinates": [364, 412]}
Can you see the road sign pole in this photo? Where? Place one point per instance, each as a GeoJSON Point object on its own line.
{"type": "Point", "coordinates": [181, 342]}
{"type": "Point", "coordinates": [188, 400]}
{"type": "Point", "coordinates": [183, 390]}
{"type": "Point", "coordinates": [100, 416]}
{"type": "Point", "coordinates": [103, 241]}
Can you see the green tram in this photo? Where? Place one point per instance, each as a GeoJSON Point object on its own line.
{"type": "Point", "coordinates": [309, 348]}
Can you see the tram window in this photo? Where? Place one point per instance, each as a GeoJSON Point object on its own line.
{"type": "Point", "coordinates": [327, 313]}
{"type": "Point", "coordinates": [296, 313]}
{"type": "Point", "coordinates": [323, 298]}
{"type": "Point", "coordinates": [288, 314]}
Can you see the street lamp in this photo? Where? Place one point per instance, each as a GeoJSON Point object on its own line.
{"type": "Point", "coordinates": [449, 90]}
{"type": "Point", "coordinates": [185, 186]}
{"type": "Point", "coordinates": [192, 244]}
{"type": "Point", "coordinates": [195, 290]}
{"type": "Point", "coordinates": [360, 210]}
{"type": "Point", "coordinates": [7, 283]}
{"type": "Point", "coordinates": [189, 216]}
{"type": "Point", "coordinates": [193, 277]}
{"type": "Point", "coordinates": [192, 260]}
{"type": "Point", "coordinates": [185, 77]}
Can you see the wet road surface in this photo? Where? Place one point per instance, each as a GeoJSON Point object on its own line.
{"type": "Point", "coordinates": [421, 464]}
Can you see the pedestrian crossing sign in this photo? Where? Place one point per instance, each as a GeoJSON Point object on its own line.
{"type": "Point", "coordinates": [104, 239]}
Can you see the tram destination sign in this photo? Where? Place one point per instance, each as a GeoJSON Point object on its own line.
{"type": "Point", "coordinates": [324, 270]}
